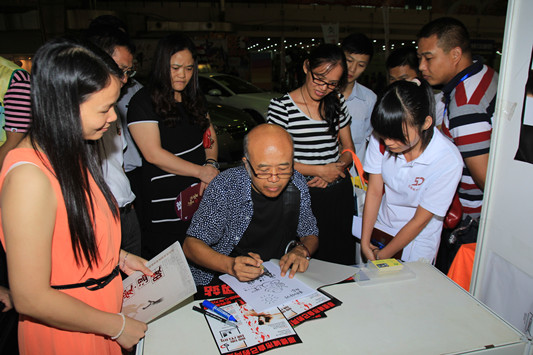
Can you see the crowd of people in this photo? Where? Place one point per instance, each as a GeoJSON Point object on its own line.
{"type": "Point", "coordinates": [91, 179]}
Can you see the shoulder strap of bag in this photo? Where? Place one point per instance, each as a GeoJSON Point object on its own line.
{"type": "Point", "coordinates": [358, 167]}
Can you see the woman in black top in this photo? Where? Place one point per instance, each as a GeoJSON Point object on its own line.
{"type": "Point", "coordinates": [168, 120]}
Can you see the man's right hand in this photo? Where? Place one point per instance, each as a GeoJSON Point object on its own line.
{"type": "Point", "coordinates": [247, 268]}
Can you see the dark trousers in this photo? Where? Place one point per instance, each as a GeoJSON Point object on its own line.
{"type": "Point", "coordinates": [131, 231]}
{"type": "Point", "coordinates": [161, 236]}
{"type": "Point", "coordinates": [8, 332]}
{"type": "Point", "coordinates": [135, 178]}
{"type": "Point", "coordinates": [8, 320]}
{"type": "Point", "coordinates": [334, 208]}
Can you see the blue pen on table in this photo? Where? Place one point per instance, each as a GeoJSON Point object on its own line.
{"type": "Point", "coordinates": [214, 316]}
{"type": "Point", "coordinates": [218, 311]}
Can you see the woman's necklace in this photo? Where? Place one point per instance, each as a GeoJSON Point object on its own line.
{"type": "Point", "coordinates": [305, 102]}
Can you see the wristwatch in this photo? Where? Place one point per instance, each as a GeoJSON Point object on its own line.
{"type": "Point", "coordinates": [213, 163]}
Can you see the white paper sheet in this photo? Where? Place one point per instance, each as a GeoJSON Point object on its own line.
{"type": "Point", "coordinates": [269, 290]}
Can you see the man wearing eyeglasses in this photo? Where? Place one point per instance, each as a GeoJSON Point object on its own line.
{"type": "Point", "coordinates": [113, 144]}
{"type": "Point", "coordinates": [252, 213]}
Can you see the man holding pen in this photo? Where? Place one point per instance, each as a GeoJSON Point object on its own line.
{"type": "Point", "coordinates": [255, 212]}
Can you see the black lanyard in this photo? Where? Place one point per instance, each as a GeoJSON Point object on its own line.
{"type": "Point", "coordinates": [447, 97]}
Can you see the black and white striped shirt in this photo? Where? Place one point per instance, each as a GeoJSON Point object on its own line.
{"type": "Point", "coordinates": [313, 144]}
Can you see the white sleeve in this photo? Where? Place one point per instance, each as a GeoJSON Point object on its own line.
{"type": "Point", "coordinates": [373, 157]}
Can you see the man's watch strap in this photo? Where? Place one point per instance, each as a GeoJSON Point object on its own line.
{"type": "Point", "coordinates": [300, 244]}
{"type": "Point", "coordinates": [213, 163]}
{"type": "Point", "coordinates": [293, 244]}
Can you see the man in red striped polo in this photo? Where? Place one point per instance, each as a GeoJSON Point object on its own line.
{"type": "Point", "coordinates": [469, 89]}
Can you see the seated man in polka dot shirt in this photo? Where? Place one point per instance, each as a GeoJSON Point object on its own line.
{"type": "Point", "coordinates": [254, 212]}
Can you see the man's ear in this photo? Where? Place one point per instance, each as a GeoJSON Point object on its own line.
{"type": "Point", "coordinates": [246, 166]}
{"type": "Point", "coordinates": [456, 54]}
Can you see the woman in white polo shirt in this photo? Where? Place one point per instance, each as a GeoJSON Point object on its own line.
{"type": "Point", "coordinates": [413, 174]}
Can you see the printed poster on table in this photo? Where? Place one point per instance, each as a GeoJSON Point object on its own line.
{"type": "Point", "coordinates": [257, 332]}
{"type": "Point", "coordinates": [313, 306]}
{"type": "Point", "coordinates": [147, 297]}
{"type": "Point", "coordinates": [254, 332]}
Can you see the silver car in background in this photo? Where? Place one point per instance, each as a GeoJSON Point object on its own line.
{"type": "Point", "coordinates": [236, 92]}
{"type": "Point", "coordinates": [231, 125]}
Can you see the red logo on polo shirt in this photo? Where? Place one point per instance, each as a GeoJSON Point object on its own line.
{"type": "Point", "coordinates": [418, 182]}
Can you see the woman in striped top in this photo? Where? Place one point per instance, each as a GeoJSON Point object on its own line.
{"type": "Point", "coordinates": [316, 116]}
{"type": "Point", "coordinates": [16, 109]}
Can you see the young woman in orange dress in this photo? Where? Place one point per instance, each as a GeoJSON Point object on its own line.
{"type": "Point", "coordinates": [60, 224]}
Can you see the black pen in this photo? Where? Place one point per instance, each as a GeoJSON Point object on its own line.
{"type": "Point", "coordinates": [214, 316]}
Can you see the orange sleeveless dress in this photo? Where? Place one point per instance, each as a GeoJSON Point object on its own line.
{"type": "Point", "coordinates": [37, 338]}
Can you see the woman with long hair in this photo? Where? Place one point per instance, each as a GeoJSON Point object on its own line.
{"type": "Point", "coordinates": [413, 174]}
{"type": "Point", "coordinates": [60, 223]}
{"type": "Point", "coordinates": [168, 121]}
{"type": "Point", "coordinates": [316, 116]}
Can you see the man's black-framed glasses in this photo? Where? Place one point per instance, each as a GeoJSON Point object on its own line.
{"type": "Point", "coordinates": [321, 82]}
{"type": "Point", "coordinates": [267, 175]}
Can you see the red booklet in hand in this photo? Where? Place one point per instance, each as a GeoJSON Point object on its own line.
{"type": "Point", "coordinates": [188, 201]}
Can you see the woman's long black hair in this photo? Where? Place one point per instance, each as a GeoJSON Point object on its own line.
{"type": "Point", "coordinates": [65, 74]}
{"type": "Point", "coordinates": [161, 89]}
{"type": "Point", "coordinates": [404, 103]}
{"type": "Point", "coordinates": [330, 106]}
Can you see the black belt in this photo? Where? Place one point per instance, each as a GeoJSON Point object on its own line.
{"type": "Point", "coordinates": [92, 284]}
{"type": "Point", "coordinates": [128, 207]}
